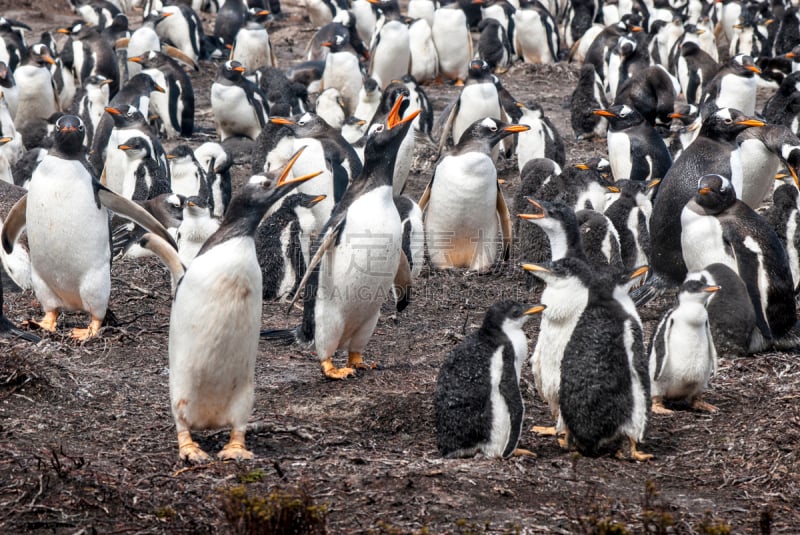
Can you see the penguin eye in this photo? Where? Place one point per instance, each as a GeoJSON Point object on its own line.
{"type": "Point", "coordinates": [379, 128]}
{"type": "Point", "coordinates": [728, 121]}
{"type": "Point", "coordinates": [493, 128]}
{"type": "Point", "coordinates": [301, 123]}
{"type": "Point", "coordinates": [81, 127]}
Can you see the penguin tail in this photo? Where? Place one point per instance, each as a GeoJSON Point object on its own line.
{"type": "Point", "coordinates": [9, 330]}
{"type": "Point", "coordinates": [790, 340]}
{"type": "Point", "coordinates": [282, 336]}
{"type": "Point", "coordinates": [654, 287]}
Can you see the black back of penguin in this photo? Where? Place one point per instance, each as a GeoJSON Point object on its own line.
{"type": "Point", "coordinates": [784, 217]}
{"type": "Point", "coordinates": [587, 96]}
{"type": "Point", "coordinates": [462, 399]}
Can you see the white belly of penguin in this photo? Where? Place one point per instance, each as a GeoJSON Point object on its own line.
{"type": "Point", "coordinates": [117, 162]}
{"type": "Point", "coordinates": [342, 71]}
{"type": "Point", "coordinates": [619, 152]}
{"type": "Point", "coordinates": [356, 276]}
{"type": "Point", "coordinates": [36, 97]}
{"type": "Point", "coordinates": [501, 416]}
{"type": "Point", "coordinates": [159, 102]}
{"type": "Point", "coordinates": [287, 281]}
{"type": "Point", "coordinates": [252, 48]}
{"type": "Point", "coordinates": [739, 93]}
{"type": "Point", "coordinates": [68, 237]}
{"type": "Point", "coordinates": [702, 243]}
{"type": "Point", "coordinates": [530, 44]}
{"type": "Point", "coordinates": [232, 112]}
{"type": "Point", "coordinates": [635, 426]}
{"type": "Point", "coordinates": [689, 363]}
{"type": "Point", "coordinates": [476, 102]}
{"type": "Point", "coordinates": [213, 336]}
{"type": "Point", "coordinates": [461, 221]}
{"type": "Point", "coordinates": [391, 56]}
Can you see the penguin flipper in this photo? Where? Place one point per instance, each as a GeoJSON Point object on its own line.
{"type": "Point", "coordinates": [505, 222]}
{"type": "Point", "coordinates": [14, 224]}
{"type": "Point", "coordinates": [402, 283]}
{"type": "Point", "coordinates": [660, 346]}
{"type": "Point", "coordinates": [426, 196]}
{"type": "Point", "coordinates": [9, 330]}
{"type": "Point", "coordinates": [130, 210]}
{"type": "Point", "coordinates": [167, 254]}
{"type": "Point", "coordinates": [448, 126]}
{"type": "Point", "coordinates": [176, 53]}
{"type": "Point", "coordinates": [329, 239]}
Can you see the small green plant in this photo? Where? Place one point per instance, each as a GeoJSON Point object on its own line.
{"type": "Point", "coordinates": [165, 513]}
{"type": "Point", "coordinates": [287, 511]}
{"type": "Point", "coordinates": [711, 526]}
{"type": "Point", "coordinates": [253, 476]}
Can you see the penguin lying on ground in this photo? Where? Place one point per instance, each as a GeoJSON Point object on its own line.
{"type": "Point", "coordinates": [682, 353]}
{"type": "Point", "coordinates": [477, 404]}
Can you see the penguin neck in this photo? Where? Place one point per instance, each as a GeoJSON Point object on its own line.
{"type": "Point", "coordinates": [242, 218]}
{"type": "Point", "coordinates": [565, 242]}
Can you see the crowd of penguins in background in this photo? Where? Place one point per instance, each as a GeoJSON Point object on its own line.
{"type": "Point", "coordinates": [677, 199]}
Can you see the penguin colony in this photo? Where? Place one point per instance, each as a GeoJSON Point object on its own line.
{"type": "Point", "coordinates": [677, 193]}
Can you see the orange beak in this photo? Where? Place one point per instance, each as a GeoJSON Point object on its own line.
{"type": "Point", "coordinates": [712, 289]}
{"type": "Point", "coordinates": [753, 68]}
{"type": "Point", "coordinates": [516, 128]}
{"type": "Point", "coordinates": [394, 115]}
{"type": "Point", "coordinates": [284, 179]}
{"type": "Point", "coordinates": [124, 147]}
{"type": "Point", "coordinates": [582, 166]}
{"type": "Point", "coordinates": [613, 189]}
{"type": "Point", "coordinates": [751, 122]}
{"type": "Point", "coordinates": [63, 30]}
{"type": "Point", "coordinates": [281, 120]}
{"type": "Point", "coordinates": [704, 191]}
{"type": "Point", "coordinates": [675, 116]}
{"type": "Point", "coordinates": [604, 113]}
{"type": "Point", "coordinates": [541, 214]}
{"type": "Point", "coordinates": [319, 198]}
{"type": "Point", "coordinates": [790, 55]}
{"type": "Point", "coordinates": [113, 111]}
{"type": "Point", "coordinates": [48, 59]}
{"type": "Point", "coordinates": [136, 59]}
{"type": "Point", "coordinates": [239, 69]}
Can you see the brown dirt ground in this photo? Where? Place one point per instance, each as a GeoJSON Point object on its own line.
{"type": "Point", "coordinates": [87, 442]}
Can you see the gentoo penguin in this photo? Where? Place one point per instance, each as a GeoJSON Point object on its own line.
{"type": "Point", "coordinates": [90, 103]}
{"type": "Point", "coordinates": [598, 51]}
{"type": "Point", "coordinates": [229, 20]}
{"type": "Point", "coordinates": [734, 85]}
{"type": "Point", "coordinates": [144, 177]}
{"type": "Point", "coordinates": [187, 175]}
{"type": "Point", "coordinates": [354, 129]}
{"type": "Point", "coordinates": [422, 9]}
{"type": "Point", "coordinates": [784, 217]}
{"type": "Point", "coordinates": [532, 242]}
{"type": "Point", "coordinates": [64, 200]}
{"type": "Point", "coordinates": [343, 72]}
{"type": "Point", "coordinates": [600, 239]}
{"type": "Point", "coordinates": [651, 92]}
{"type": "Point", "coordinates": [395, 91]}
{"type": "Point", "coordinates": [252, 46]}
{"type": "Point", "coordinates": [167, 208]}
{"type": "Point", "coordinates": [536, 38]}
{"type": "Point", "coordinates": [628, 57]}
{"type": "Point", "coordinates": [369, 98]}
{"type": "Point", "coordinates": [541, 141]}
{"type": "Point", "coordinates": [212, 368]}
{"type": "Point", "coordinates": [183, 29]}
{"type": "Point", "coordinates": [463, 201]}
{"type": "Point", "coordinates": [587, 96]}
{"type": "Point", "coordinates": [93, 55]}
{"type": "Point", "coordinates": [239, 106]}
{"type": "Point", "coordinates": [682, 353]}
{"type": "Point", "coordinates": [413, 232]}
{"type": "Point", "coordinates": [280, 91]}
{"type": "Point", "coordinates": [217, 163]}
{"type": "Point", "coordinates": [684, 128]}
{"type": "Point", "coordinates": [17, 264]}
{"type": "Point", "coordinates": [478, 99]}
{"type": "Point", "coordinates": [279, 248]}
{"type": "Point", "coordinates": [630, 214]}
{"type": "Point", "coordinates": [717, 227]}
{"type": "Point", "coordinates": [714, 150]}
{"type": "Point", "coordinates": [635, 149]}
{"type": "Point", "coordinates": [453, 42]}
{"type": "Point", "coordinates": [418, 100]}
{"type": "Point", "coordinates": [579, 17]}
{"type": "Point", "coordinates": [321, 12]}
{"type": "Point", "coordinates": [342, 302]}
{"type": "Point", "coordinates": [175, 106]}
{"type": "Point", "coordinates": [695, 69]}
{"type": "Point", "coordinates": [390, 52]}
{"type": "Point", "coordinates": [329, 106]}
{"type": "Point", "coordinates": [12, 42]}
{"type": "Point", "coordinates": [783, 107]}
{"type": "Point", "coordinates": [478, 406]}
{"type": "Point", "coordinates": [197, 225]}
{"type": "Point", "coordinates": [37, 97]}
{"type": "Point", "coordinates": [424, 57]}
{"type": "Point", "coordinates": [731, 332]}
{"type": "Point", "coordinates": [493, 45]}
{"type": "Point", "coordinates": [143, 40]}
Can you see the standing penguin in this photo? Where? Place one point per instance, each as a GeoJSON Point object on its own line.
{"type": "Point", "coordinates": [424, 57]}
{"type": "Point", "coordinates": [413, 233]}
{"type": "Point", "coordinates": [716, 227]}
{"type": "Point", "coordinates": [630, 214]}
{"type": "Point", "coordinates": [453, 42]}
{"type": "Point", "coordinates": [541, 141]}
{"type": "Point", "coordinates": [217, 163]}
{"type": "Point", "coordinates": [635, 149]}
{"type": "Point", "coordinates": [493, 45]}
{"type": "Point", "coordinates": [478, 405]}
{"type": "Point", "coordinates": [279, 248]}
{"type": "Point", "coordinates": [390, 53]}
{"type": "Point", "coordinates": [535, 38]}
{"type": "Point", "coordinates": [214, 325]}
{"type": "Point", "coordinates": [463, 201]}
{"type": "Point", "coordinates": [187, 175]}
{"type": "Point", "coordinates": [342, 301]}
{"type": "Point", "coordinates": [695, 69]}
{"type": "Point", "coordinates": [784, 217]}
{"type": "Point", "coordinates": [90, 103]}
{"type": "Point", "coordinates": [183, 29]}
{"type": "Point", "coordinates": [343, 72]}
{"type": "Point", "coordinates": [239, 106]}
{"type": "Point", "coordinates": [143, 178]}
{"type": "Point", "coordinates": [682, 353]}
{"type": "Point", "coordinates": [252, 47]}
{"type": "Point", "coordinates": [37, 97]}
{"type": "Point", "coordinates": [93, 54]}
{"type": "Point", "coordinates": [734, 85]}
{"type": "Point", "coordinates": [65, 201]}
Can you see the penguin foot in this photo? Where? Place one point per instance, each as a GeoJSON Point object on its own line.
{"type": "Point", "coordinates": [637, 455]}
{"type": "Point", "coordinates": [235, 449]}
{"type": "Point", "coordinates": [459, 82]}
{"type": "Point", "coordinates": [48, 322]}
{"type": "Point", "coordinates": [543, 431]}
{"type": "Point", "coordinates": [189, 450]}
{"type": "Point", "coordinates": [521, 452]}
{"type": "Point", "coordinates": [658, 407]}
{"type": "Point", "coordinates": [89, 332]}
{"type": "Point", "coordinates": [356, 360]}
{"type": "Point", "coordinates": [332, 372]}
{"type": "Point", "coordinates": [700, 405]}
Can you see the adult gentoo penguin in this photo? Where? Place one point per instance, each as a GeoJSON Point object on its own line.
{"type": "Point", "coordinates": [214, 325]}
{"type": "Point", "coordinates": [717, 227]}
{"type": "Point", "coordinates": [453, 42]}
{"type": "Point", "coordinates": [37, 97]}
{"type": "Point", "coordinates": [734, 85]}
{"type": "Point", "coordinates": [682, 353]}
{"type": "Point", "coordinates": [635, 149]}
{"type": "Point", "coordinates": [346, 280]}
{"type": "Point", "coordinates": [714, 150]}
{"type": "Point", "coordinates": [66, 215]}
{"type": "Point", "coordinates": [239, 106]}
{"type": "Point", "coordinates": [463, 201]}
{"type": "Point", "coordinates": [390, 53]}
{"type": "Point", "coordinates": [477, 404]}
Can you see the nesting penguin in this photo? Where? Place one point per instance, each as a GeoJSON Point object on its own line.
{"type": "Point", "coordinates": [463, 201]}
{"type": "Point", "coordinates": [478, 405]}
{"type": "Point", "coordinates": [682, 353]}
{"type": "Point", "coordinates": [64, 201]}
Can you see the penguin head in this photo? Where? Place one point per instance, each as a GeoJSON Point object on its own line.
{"type": "Point", "coordinates": [727, 123]}
{"type": "Point", "coordinates": [696, 291]}
{"type": "Point", "coordinates": [125, 116]}
{"type": "Point", "coordinates": [554, 216]}
{"type": "Point", "coordinates": [40, 55]}
{"type": "Point", "coordinates": [621, 116]}
{"type": "Point", "coordinates": [307, 125]}
{"type": "Point", "coordinates": [257, 15]}
{"type": "Point", "coordinates": [69, 133]}
{"type": "Point", "coordinates": [479, 70]}
{"type": "Point", "coordinates": [339, 40]}
{"type": "Point", "coordinates": [630, 22]}
{"type": "Point", "coordinates": [744, 65]}
{"type": "Point", "coordinates": [135, 148]}
{"type": "Point", "coordinates": [196, 207]}
{"type": "Point", "coordinates": [626, 46]}
{"type": "Point", "coordinates": [715, 193]}
{"type": "Point", "coordinates": [563, 274]}
{"type": "Point", "coordinates": [302, 200]}
{"type": "Point", "coordinates": [385, 136]}
{"type": "Point", "coordinates": [689, 48]}
{"type": "Point", "coordinates": [143, 84]}
{"type": "Point", "coordinates": [97, 82]}
{"type": "Point", "coordinates": [232, 70]}
{"type": "Point", "coordinates": [490, 131]}
{"type": "Point", "coordinates": [148, 59]}
{"type": "Point", "coordinates": [181, 155]}
{"type": "Point", "coordinates": [394, 91]}
{"type": "Point", "coordinates": [794, 54]}
{"type": "Point", "coordinates": [508, 314]}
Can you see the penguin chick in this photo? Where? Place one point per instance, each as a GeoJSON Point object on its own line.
{"type": "Point", "coordinates": [682, 353]}
{"type": "Point", "coordinates": [196, 227]}
{"type": "Point", "coordinates": [477, 403]}
{"type": "Point", "coordinates": [214, 324]}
